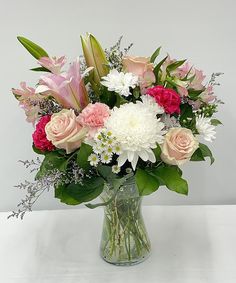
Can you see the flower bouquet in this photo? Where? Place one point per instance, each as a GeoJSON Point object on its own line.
{"type": "Point", "coordinates": [116, 127]}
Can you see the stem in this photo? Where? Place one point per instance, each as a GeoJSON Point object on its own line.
{"type": "Point", "coordinates": [124, 239]}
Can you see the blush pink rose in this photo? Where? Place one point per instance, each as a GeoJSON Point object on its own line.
{"type": "Point", "coordinates": [93, 117]}
{"type": "Point", "coordinates": [178, 146]}
{"type": "Point", "coordinates": [39, 136]}
{"type": "Point", "coordinates": [65, 131]}
{"type": "Point", "coordinates": [166, 98]}
{"type": "Point", "coordinates": [141, 67]}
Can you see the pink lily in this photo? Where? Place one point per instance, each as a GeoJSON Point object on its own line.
{"type": "Point", "coordinates": [68, 88]}
{"type": "Point", "coordinates": [23, 93]}
{"type": "Point", "coordinates": [198, 80]}
{"type": "Point", "coordinates": [52, 64]}
{"type": "Point", "coordinates": [28, 100]}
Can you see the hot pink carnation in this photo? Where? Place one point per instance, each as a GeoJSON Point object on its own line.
{"type": "Point", "coordinates": [39, 136]}
{"type": "Point", "coordinates": [166, 97]}
{"type": "Point", "coordinates": [93, 117]}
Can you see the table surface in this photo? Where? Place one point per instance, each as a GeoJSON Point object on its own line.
{"type": "Point", "coordinates": [190, 244]}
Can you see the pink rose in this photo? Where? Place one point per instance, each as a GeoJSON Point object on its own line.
{"type": "Point", "coordinates": [93, 117]}
{"type": "Point", "coordinates": [178, 146]}
{"type": "Point", "coordinates": [65, 131]}
{"type": "Point", "coordinates": [39, 136]}
{"type": "Point", "coordinates": [141, 67]}
{"type": "Point", "coordinates": [166, 98]}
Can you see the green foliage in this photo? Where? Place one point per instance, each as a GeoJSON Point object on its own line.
{"type": "Point", "coordinates": [40, 69]}
{"type": "Point", "coordinates": [149, 180]}
{"type": "Point", "coordinates": [82, 156]}
{"type": "Point", "coordinates": [106, 173]}
{"type": "Point", "coordinates": [146, 183]}
{"type": "Point", "coordinates": [206, 152]}
{"type": "Point", "coordinates": [208, 110]}
{"type": "Point", "coordinates": [197, 155]}
{"type": "Point", "coordinates": [38, 151]}
{"type": "Point", "coordinates": [107, 97]}
{"type": "Point", "coordinates": [52, 160]}
{"type": "Point", "coordinates": [120, 100]}
{"type": "Point", "coordinates": [62, 194]}
{"type": "Point", "coordinates": [136, 92]}
{"type": "Point", "coordinates": [155, 54]}
{"type": "Point", "coordinates": [202, 152]}
{"type": "Point", "coordinates": [74, 194]}
{"type": "Point", "coordinates": [158, 68]}
{"type": "Point", "coordinates": [170, 176]}
{"type": "Point", "coordinates": [35, 50]}
{"type": "Point", "coordinates": [157, 152]}
{"type": "Point", "coordinates": [187, 117]}
{"type": "Point", "coordinates": [216, 122]}
{"type": "Point", "coordinates": [175, 65]}
{"type": "Point", "coordinates": [194, 94]}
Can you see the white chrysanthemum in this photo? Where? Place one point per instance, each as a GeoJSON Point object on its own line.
{"type": "Point", "coordinates": [205, 128]}
{"type": "Point", "coordinates": [106, 157]}
{"type": "Point", "coordinates": [120, 82]}
{"type": "Point", "coordinates": [150, 102]}
{"type": "Point", "coordinates": [93, 159]}
{"type": "Point", "coordinates": [137, 131]}
{"type": "Point", "coordinates": [115, 169]}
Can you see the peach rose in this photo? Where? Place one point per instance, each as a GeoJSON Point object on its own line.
{"type": "Point", "coordinates": [141, 67]}
{"type": "Point", "coordinates": [178, 146]}
{"type": "Point", "coordinates": [64, 130]}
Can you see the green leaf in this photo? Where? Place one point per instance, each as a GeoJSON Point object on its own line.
{"type": "Point", "coordinates": [146, 183]}
{"type": "Point", "coordinates": [107, 97]}
{"type": "Point", "coordinates": [206, 152]}
{"type": "Point", "coordinates": [158, 67]}
{"type": "Point", "coordinates": [186, 111]}
{"type": "Point", "coordinates": [62, 194]}
{"type": "Point", "coordinates": [155, 54]}
{"type": "Point", "coordinates": [106, 173]}
{"type": "Point", "coordinates": [52, 160]}
{"type": "Point", "coordinates": [136, 93]}
{"type": "Point", "coordinates": [82, 156]}
{"type": "Point", "coordinates": [197, 155]}
{"type": "Point", "coordinates": [171, 177]}
{"type": "Point", "coordinates": [157, 152]}
{"type": "Point", "coordinates": [194, 94]}
{"type": "Point", "coordinates": [215, 122]}
{"type": "Point", "coordinates": [38, 151]}
{"type": "Point", "coordinates": [35, 50]}
{"type": "Point", "coordinates": [175, 65]}
{"type": "Point", "coordinates": [40, 69]}
{"type": "Point", "coordinates": [89, 190]}
{"type": "Point", "coordinates": [120, 100]}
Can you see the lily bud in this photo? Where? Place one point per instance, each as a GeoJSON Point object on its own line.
{"type": "Point", "coordinates": [95, 57]}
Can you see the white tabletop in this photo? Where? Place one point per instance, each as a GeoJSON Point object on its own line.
{"type": "Point", "coordinates": [190, 244]}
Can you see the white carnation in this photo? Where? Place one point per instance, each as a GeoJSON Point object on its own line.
{"type": "Point", "coordinates": [205, 128]}
{"type": "Point", "coordinates": [120, 82]}
{"type": "Point", "coordinates": [137, 130]}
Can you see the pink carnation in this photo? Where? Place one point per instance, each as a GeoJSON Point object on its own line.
{"type": "Point", "coordinates": [93, 117]}
{"type": "Point", "coordinates": [39, 136]}
{"type": "Point", "coordinates": [167, 98]}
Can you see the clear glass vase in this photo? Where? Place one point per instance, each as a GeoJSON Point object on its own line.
{"type": "Point", "coordinates": [124, 237]}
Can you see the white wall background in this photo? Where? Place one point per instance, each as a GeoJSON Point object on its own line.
{"type": "Point", "coordinates": [201, 30]}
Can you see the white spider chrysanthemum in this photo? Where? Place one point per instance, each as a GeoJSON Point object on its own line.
{"type": "Point", "coordinates": [120, 82]}
{"type": "Point", "coordinates": [137, 130]}
{"type": "Point", "coordinates": [205, 128]}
